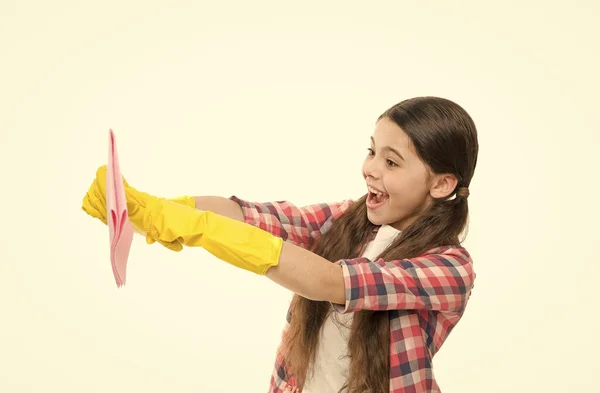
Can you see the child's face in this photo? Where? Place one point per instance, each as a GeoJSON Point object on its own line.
{"type": "Point", "coordinates": [400, 175]}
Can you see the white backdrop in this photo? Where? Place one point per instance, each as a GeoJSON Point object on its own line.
{"type": "Point", "coordinates": [277, 100]}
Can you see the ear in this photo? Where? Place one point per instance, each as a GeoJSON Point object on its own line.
{"type": "Point", "coordinates": [443, 185]}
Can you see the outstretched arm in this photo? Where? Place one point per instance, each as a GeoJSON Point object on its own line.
{"type": "Point", "coordinates": [247, 247]}
{"type": "Point", "coordinates": [439, 281]}
{"type": "Point", "coordinates": [308, 274]}
{"type": "Point", "coordinates": [298, 270]}
{"type": "Point", "coordinates": [220, 205]}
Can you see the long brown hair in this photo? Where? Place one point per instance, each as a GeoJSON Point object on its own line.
{"type": "Point", "coordinates": [445, 138]}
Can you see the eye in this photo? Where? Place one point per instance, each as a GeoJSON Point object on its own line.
{"type": "Point", "coordinates": [391, 163]}
{"type": "Point", "coordinates": [371, 152]}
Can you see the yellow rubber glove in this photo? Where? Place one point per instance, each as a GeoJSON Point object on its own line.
{"type": "Point", "coordinates": [235, 242]}
{"type": "Point", "coordinates": [94, 204]}
{"type": "Point", "coordinates": [137, 202]}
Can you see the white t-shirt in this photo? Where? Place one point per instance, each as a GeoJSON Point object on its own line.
{"type": "Point", "coordinates": [331, 365]}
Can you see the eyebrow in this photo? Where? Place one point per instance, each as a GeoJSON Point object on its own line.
{"type": "Point", "coordinates": [390, 149]}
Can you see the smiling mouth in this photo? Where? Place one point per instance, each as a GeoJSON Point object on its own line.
{"type": "Point", "coordinates": [376, 198]}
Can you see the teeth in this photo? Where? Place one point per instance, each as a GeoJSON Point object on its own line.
{"type": "Point", "coordinates": [374, 191]}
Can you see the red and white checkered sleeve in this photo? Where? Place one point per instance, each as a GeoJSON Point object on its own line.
{"type": "Point", "coordinates": [438, 281]}
{"type": "Point", "coordinates": [298, 225]}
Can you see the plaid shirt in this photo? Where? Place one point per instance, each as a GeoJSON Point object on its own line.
{"type": "Point", "coordinates": [425, 296]}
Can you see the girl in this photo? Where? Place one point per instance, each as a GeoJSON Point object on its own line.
{"type": "Point", "coordinates": [379, 282]}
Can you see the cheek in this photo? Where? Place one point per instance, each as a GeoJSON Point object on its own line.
{"type": "Point", "coordinates": [395, 187]}
{"type": "Point", "coordinates": [406, 190]}
{"type": "Point", "coordinates": [397, 197]}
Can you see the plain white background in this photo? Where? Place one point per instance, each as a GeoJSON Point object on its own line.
{"type": "Point", "coordinates": [277, 100]}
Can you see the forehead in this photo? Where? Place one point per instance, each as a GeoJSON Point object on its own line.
{"type": "Point", "coordinates": [389, 134]}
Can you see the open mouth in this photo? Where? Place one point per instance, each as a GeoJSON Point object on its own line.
{"type": "Point", "coordinates": [376, 198]}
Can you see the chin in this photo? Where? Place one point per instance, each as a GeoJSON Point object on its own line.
{"type": "Point", "coordinates": [373, 219]}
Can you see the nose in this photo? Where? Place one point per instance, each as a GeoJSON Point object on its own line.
{"type": "Point", "coordinates": [371, 168]}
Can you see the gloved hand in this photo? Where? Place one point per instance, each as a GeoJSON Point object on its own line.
{"type": "Point", "coordinates": [94, 204]}
{"type": "Point", "coordinates": [235, 242]}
